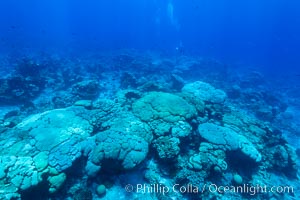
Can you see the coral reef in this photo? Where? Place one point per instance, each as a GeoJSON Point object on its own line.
{"type": "Point", "coordinates": [85, 130]}
{"type": "Point", "coordinates": [17, 89]}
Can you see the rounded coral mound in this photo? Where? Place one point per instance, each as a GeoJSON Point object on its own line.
{"type": "Point", "coordinates": [119, 147]}
{"type": "Point", "coordinates": [229, 140]}
{"type": "Point", "coordinates": [164, 111]}
{"type": "Point", "coordinates": [159, 105]}
{"type": "Point", "coordinates": [43, 145]}
{"type": "Point", "coordinates": [204, 92]}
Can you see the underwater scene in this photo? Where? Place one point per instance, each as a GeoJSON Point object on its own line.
{"type": "Point", "coordinates": [149, 100]}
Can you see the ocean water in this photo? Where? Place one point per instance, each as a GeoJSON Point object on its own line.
{"type": "Point", "coordinates": [149, 99]}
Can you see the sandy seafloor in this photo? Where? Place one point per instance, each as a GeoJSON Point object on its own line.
{"type": "Point", "coordinates": [99, 126]}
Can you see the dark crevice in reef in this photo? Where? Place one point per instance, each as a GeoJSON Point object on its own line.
{"type": "Point", "coordinates": [77, 168]}
{"type": "Point", "coordinates": [239, 163]}
{"type": "Point", "coordinates": [39, 192]}
{"type": "Point", "coordinates": [112, 167]}
{"type": "Point", "coordinates": [75, 176]}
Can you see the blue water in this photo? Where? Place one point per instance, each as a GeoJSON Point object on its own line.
{"type": "Point", "coordinates": [253, 33]}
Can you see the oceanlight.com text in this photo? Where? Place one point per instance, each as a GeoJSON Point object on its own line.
{"type": "Point", "coordinates": [211, 188]}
